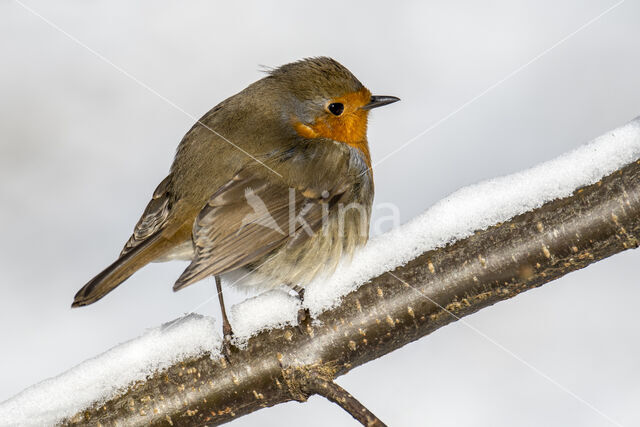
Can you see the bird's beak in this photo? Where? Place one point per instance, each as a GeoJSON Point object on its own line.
{"type": "Point", "coordinates": [379, 101]}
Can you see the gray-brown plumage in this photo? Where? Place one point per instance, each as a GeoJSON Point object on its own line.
{"type": "Point", "coordinates": [275, 179]}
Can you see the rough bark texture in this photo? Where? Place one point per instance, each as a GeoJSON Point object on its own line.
{"type": "Point", "coordinates": [391, 310]}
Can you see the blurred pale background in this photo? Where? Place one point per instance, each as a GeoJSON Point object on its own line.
{"type": "Point", "coordinates": [82, 146]}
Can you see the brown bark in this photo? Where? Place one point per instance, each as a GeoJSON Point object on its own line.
{"type": "Point", "coordinates": [315, 384]}
{"type": "Point", "coordinates": [393, 309]}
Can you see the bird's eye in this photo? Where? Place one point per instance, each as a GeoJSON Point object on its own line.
{"type": "Point", "coordinates": [336, 108]}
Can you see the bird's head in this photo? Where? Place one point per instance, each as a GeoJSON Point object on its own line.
{"type": "Point", "coordinates": [325, 100]}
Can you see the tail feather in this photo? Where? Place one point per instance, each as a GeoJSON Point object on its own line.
{"type": "Point", "coordinates": [121, 270]}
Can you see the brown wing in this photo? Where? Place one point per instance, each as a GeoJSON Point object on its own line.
{"type": "Point", "coordinates": [249, 217]}
{"type": "Point", "coordinates": [153, 218]}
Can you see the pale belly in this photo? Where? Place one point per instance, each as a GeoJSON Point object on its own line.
{"type": "Point", "coordinates": [319, 255]}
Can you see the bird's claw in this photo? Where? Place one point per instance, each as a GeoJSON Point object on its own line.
{"type": "Point", "coordinates": [304, 317]}
{"type": "Point", "coordinates": [227, 346]}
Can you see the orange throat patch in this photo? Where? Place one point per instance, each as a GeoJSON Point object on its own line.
{"type": "Point", "coordinates": [348, 128]}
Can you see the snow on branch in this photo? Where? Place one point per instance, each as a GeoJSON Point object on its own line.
{"type": "Point", "coordinates": [483, 244]}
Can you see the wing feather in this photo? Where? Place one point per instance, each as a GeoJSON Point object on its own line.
{"type": "Point", "coordinates": [153, 218]}
{"type": "Point", "coordinates": [249, 217]}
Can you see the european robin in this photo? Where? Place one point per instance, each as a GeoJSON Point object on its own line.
{"type": "Point", "coordinates": [275, 180]}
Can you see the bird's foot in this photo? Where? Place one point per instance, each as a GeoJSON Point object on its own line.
{"type": "Point", "coordinates": [304, 316]}
{"type": "Point", "coordinates": [227, 346]}
{"type": "Point", "coordinates": [304, 319]}
{"type": "Point", "coordinates": [227, 337]}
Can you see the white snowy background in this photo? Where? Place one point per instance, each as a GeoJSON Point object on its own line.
{"type": "Point", "coordinates": [82, 146]}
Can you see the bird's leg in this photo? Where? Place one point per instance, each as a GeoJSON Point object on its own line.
{"type": "Point", "coordinates": [226, 326]}
{"type": "Point", "coordinates": [303, 313]}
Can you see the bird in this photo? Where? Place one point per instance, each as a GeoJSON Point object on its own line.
{"type": "Point", "coordinates": [276, 182]}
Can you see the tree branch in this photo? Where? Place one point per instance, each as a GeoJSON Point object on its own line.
{"type": "Point", "coordinates": [315, 384]}
{"type": "Point", "coordinates": [436, 288]}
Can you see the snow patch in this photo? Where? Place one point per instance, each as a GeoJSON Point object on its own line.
{"type": "Point", "coordinates": [104, 376]}
{"type": "Point", "coordinates": [269, 310]}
